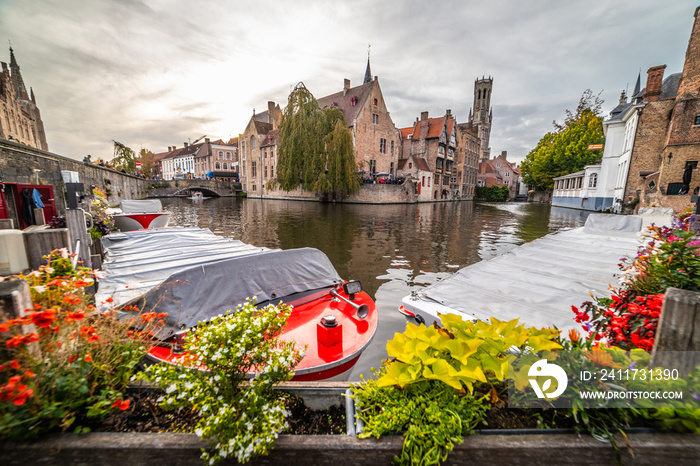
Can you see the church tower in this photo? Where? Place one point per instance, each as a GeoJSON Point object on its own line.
{"type": "Point", "coordinates": [481, 114]}
{"type": "Point", "coordinates": [20, 120]}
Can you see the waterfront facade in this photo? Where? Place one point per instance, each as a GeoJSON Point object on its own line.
{"type": "Point", "coordinates": [20, 120]}
{"type": "Point", "coordinates": [258, 149]}
{"type": "Point", "coordinates": [433, 141]}
{"type": "Point", "coordinates": [663, 169]}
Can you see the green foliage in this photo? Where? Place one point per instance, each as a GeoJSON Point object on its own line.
{"type": "Point", "coordinates": [431, 415]}
{"type": "Point", "coordinates": [124, 158]}
{"type": "Point", "coordinates": [315, 148]}
{"type": "Point", "coordinates": [460, 353]}
{"type": "Point", "coordinates": [565, 150]}
{"type": "Point", "coordinates": [242, 418]}
{"type": "Point", "coordinates": [492, 193]}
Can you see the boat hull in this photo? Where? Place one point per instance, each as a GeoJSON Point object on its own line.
{"type": "Point", "coordinates": [141, 221]}
{"type": "Point", "coordinates": [326, 358]}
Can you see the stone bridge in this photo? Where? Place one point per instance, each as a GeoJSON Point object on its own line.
{"type": "Point", "coordinates": [22, 166]}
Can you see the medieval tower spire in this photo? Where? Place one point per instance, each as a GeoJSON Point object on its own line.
{"type": "Point", "coordinates": [16, 77]}
{"type": "Point", "coordinates": [368, 72]}
{"type": "Point", "coordinates": [22, 122]}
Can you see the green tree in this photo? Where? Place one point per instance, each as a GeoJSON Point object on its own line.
{"type": "Point", "coordinates": [315, 148]}
{"type": "Point", "coordinates": [565, 150]}
{"type": "Point", "coordinates": [124, 158]}
{"type": "Point", "coordinates": [149, 164]}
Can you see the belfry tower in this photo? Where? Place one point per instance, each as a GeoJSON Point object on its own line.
{"type": "Point", "coordinates": [481, 115]}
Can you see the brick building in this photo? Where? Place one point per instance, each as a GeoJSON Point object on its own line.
{"type": "Point", "coordinates": [481, 115]}
{"type": "Point", "coordinates": [431, 144]}
{"type": "Point", "coordinates": [376, 139]}
{"type": "Point", "coordinates": [258, 149]}
{"type": "Point", "coordinates": [468, 155]}
{"type": "Point", "coordinates": [20, 120]}
{"type": "Point", "coordinates": [500, 172]}
{"type": "Point", "coordinates": [664, 163]}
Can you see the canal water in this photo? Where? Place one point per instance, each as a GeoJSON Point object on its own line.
{"type": "Point", "coordinates": [391, 249]}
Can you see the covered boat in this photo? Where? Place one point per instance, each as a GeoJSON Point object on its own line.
{"type": "Point", "coordinates": [537, 282]}
{"type": "Point", "coordinates": [140, 214]}
{"type": "Point", "coordinates": [193, 275]}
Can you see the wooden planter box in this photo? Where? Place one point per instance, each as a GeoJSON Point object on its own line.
{"type": "Point", "coordinates": [121, 449]}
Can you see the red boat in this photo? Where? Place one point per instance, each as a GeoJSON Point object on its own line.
{"type": "Point", "coordinates": [140, 214]}
{"type": "Point", "coordinates": [334, 325]}
{"type": "Point", "coordinates": [193, 276]}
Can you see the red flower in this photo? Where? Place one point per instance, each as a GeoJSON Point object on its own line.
{"type": "Point", "coordinates": [4, 328]}
{"type": "Point", "coordinates": [122, 405]}
{"type": "Point", "coordinates": [14, 364]}
{"type": "Point", "coordinates": [93, 338]}
{"type": "Point", "coordinates": [22, 397]}
{"type": "Point", "coordinates": [44, 319]}
{"type": "Point", "coordinates": [110, 299]}
{"type": "Point", "coordinates": [17, 340]}
{"type": "Point", "coordinates": [87, 358]}
{"type": "Point", "coordinates": [70, 299]}
{"type": "Point", "coordinates": [73, 316]}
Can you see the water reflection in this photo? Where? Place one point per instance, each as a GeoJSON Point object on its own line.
{"type": "Point", "coordinates": [391, 249]}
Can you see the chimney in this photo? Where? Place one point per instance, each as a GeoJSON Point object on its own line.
{"type": "Point", "coordinates": [186, 144]}
{"type": "Point", "coordinates": [170, 149]}
{"type": "Point", "coordinates": [424, 126]}
{"type": "Point", "coordinates": [270, 111]}
{"type": "Point", "coordinates": [448, 112]}
{"type": "Point", "coordinates": [206, 140]}
{"type": "Point", "coordinates": [655, 77]}
{"type": "Point", "coordinates": [504, 154]}
{"type": "Point", "coordinates": [346, 86]}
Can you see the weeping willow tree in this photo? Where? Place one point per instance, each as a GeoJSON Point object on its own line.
{"type": "Point", "coordinates": [124, 158]}
{"type": "Point", "coordinates": [315, 148]}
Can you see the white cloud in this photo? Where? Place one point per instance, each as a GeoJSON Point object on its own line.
{"type": "Point", "coordinates": [155, 73]}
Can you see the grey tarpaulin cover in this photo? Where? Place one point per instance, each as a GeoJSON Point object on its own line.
{"type": "Point", "coordinates": [194, 275]}
{"type": "Point", "coordinates": [538, 282]}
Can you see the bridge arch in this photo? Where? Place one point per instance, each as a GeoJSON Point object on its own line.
{"type": "Point", "coordinates": [189, 190]}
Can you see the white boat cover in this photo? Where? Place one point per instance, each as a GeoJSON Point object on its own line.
{"type": "Point", "coordinates": [145, 206]}
{"type": "Point", "coordinates": [537, 282]}
{"type": "Point", "coordinates": [193, 275]}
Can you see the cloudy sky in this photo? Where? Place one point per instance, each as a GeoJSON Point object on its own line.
{"type": "Point", "coordinates": [155, 73]}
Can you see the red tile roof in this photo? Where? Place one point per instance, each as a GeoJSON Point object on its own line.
{"type": "Point", "coordinates": [343, 101]}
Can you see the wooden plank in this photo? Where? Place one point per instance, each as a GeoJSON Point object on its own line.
{"type": "Point", "coordinates": [677, 343]}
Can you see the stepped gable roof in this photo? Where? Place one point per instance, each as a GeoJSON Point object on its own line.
{"type": "Point", "coordinates": [271, 139]}
{"type": "Point", "coordinates": [343, 101]}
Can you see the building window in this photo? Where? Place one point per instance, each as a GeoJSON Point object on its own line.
{"type": "Point", "coordinates": [255, 188]}
{"type": "Point", "coordinates": [438, 163]}
{"type": "Point", "coordinates": [428, 181]}
{"type": "Point", "coordinates": [272, 171]}
{"type": "Point", "coordinates": [372, 166]}
{"type": "Point", "coordinates": [410, 165]}
{"type": "Point", "coordinates": [217, 166]}
{"type": "Point", "coordinates": [382, 146]}
{"type": "Point", "coordinates": [697, 119]}
{"type": "Point", "coordinates": [353, 101]}
{"type": "Point", "coordinates": [441, 150]}
{"type": "Point", "coordinates": [225, 166]}
{"type": "Point", "coordinates": [375, 102]}
{"type": "Point", "coordinates": [375, 118]}
{"type": "Point", "coordinates": [392, 147]}
{"type": "Point", "coordinates": [252, 144]}
{"type": "Point", "coordinates": [568, 181]}
{"type": "Point", "coordinates": [266, 172]}
{"type": "Point", "coordinates": [391, 168]}
{"type": "Point", "coordinates": [423, 181]}
{"type": "Point", "coordinates": [228, 156]}
{"type": "Point", "coordinates": [507, 174]}
{"type": "Point", "coordinates": [253, 167]}
{"type": "Point", "coordinates": [593, 180]}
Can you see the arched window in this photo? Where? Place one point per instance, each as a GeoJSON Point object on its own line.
{"type": "Point", "coordinates": [225, 166]}
{"type": "Point", "coordinates": [221, 155]}
{"type": "Point", "coordinates": [252, 144]}
{"type": "Point", "coordinates": [228, 156]}
{"type": "Point", "coordinates": [593, 180]}
{"type": "Point", "coordinates": [217, 166]}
